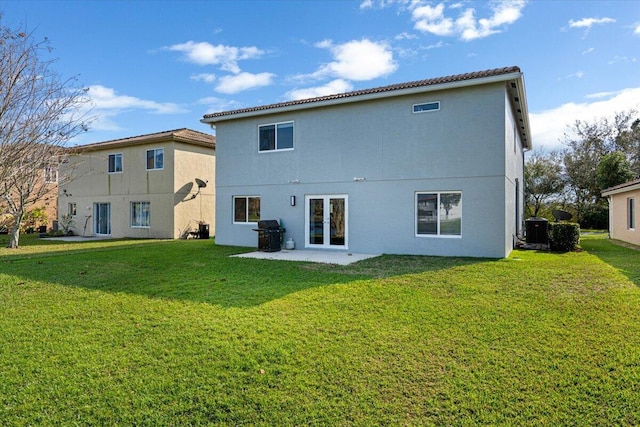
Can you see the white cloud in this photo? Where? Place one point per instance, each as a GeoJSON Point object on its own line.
{"type": "Point", "coordinates": [548, 127]}
{"type": "Point", "coordinates": [204, 77]}
{"type": "Point", "coordinates": [589, 22]}
{"type": "Point", "coordinates": [357, 60]}
{"type": "Point", "coordinates": [226, 57]}
{"type": "Point", "coordinates": [380, 4]}
{"type": "Point", "coordinates": [243, 81]}
{"type": "Point", "coordinates": [215, 104]}
{"type": "Point", "coordinates": [333, 87]}
{"type": "Point", "coordinates": [437, 45]}
{"type": "Point", "coordinates": [105, 98]}
{"type": "Point", "coordinates": [576, 75]}
{"type": "Point", "coordinates": [588, 51]}
{"type": "Point", "coordinates": [405, 36]}
{"type": "Point", "coordinates": [432, 19]}
{"type": "Point", "coordinates": [624, 59]}
{"type": "Point", "coordinates": [637, 29]}
{"type": "Point", "coordinates": [324, 44]}
{"type": "Point", "coordinates": [106, 105]}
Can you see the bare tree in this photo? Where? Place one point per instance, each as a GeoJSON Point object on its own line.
{"type": "Point", "coordinates": [39, 113]}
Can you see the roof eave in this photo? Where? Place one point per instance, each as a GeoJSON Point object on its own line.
{"type": "Point", "coordinates": [158, 139]}
{"type": "Point", "coordinates": [620, 189]}
{"type": "Point", "coordinates": [365, 97]}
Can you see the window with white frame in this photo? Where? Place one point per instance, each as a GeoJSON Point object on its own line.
{"type": "Point", "coordinates": [115, 163]}
{"type": "Point", "coordinates": [276, 136]}
{"type": "Point", "coordinates": [439, 214]}
{"type": "Point", "coordinates": [246, 209]}
{"type": "Point", "coordinates": [140, 214]}
{"type": "Point", "coordinates": [73, 209]}
{"type": "Point", "coordinates": [50, 174]}
{"type": "Point", "coordinates": [155, 159]}
{"type": "Point", "coordinates": [426, 107]}
{"type": "Point", "coordinates": [631, 213]}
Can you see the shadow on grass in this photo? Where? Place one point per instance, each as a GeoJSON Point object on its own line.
{"type": "Point", "coordinates": [200, 271]}
{"type": "Point", "coordinates": [622, 257]}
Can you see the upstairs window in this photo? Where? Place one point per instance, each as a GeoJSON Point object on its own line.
{"type": "Point", "coordinates": [426, 107]}
{"type": "Point", "coordinates": [275, 137]}
{"type": "Point", "coordinates": [50, 175]}
{"type": "Point", "coordinates": [115, 163]}
{"type": "Point", "coordinates": [155, 159]}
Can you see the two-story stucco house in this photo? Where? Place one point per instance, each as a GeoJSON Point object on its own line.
{"type": "Point", "coordinates": [429, 167]}
{"type": "Point", "coordinates": [623, 214]}
{"type": "Point", "coordinates": [159, 185]}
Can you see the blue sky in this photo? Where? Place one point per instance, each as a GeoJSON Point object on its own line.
{"type": "Point", "coordinates": [158, 65]}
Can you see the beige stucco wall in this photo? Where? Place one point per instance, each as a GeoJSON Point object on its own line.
{"type": "Point", "coordinates": [173, 211]}
{"type": "Point", "coordinates": [193, 162]}
{"type": "Point", "coordinates": [618, 223]}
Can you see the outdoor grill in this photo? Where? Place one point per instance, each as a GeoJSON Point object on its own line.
{"type": "Point", "coordinates": [269, 235]}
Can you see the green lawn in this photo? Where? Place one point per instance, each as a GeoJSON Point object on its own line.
{"type": "Point", "coordinates": [177, 333]}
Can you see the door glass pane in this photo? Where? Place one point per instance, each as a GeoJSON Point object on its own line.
{"type": "Point", "coordinates": [337, 219]}
{"type": "Point", "coordinates": [316, 221]}
{"type": "Point", "coordinates": [103, 223]}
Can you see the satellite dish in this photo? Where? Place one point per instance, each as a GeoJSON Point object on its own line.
{"type": "Point", "coordinates": [201, 183]}
{"type": "Point", "coordinates": [560, 215]}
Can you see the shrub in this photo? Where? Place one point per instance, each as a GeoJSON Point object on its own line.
{"type": "Point", "coordinates": [564, 236]}
{"type": "Point", "coordinates": [66, 223]}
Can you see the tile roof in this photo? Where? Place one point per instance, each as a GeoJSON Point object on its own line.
{"type": "Point", "coordinates": [184, 135]}
{"type": "Point", "coordinates": [621, 187]}
{"type": "Point", "coordinates": [400, 86]}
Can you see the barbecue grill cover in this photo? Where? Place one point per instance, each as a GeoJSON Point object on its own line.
{"type": "Point", "coordinates": [269, 224]}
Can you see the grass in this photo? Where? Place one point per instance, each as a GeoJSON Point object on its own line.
{"type": "Point", "coordinates": [177, 333]}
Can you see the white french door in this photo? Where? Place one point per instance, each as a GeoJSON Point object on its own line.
{"type": "Point", "coordinates": [326, 221]}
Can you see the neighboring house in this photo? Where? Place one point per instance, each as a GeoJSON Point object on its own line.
{"type": "Point", "coordinates": [45, 193]}
{"type": "Point", "coordinates": [623, 214]}
{"type": "Point", "coordinates": [429, 167]}
{"type": "Point", "coordinates": [148, 186]}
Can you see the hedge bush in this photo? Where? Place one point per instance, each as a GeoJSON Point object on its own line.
{"type": "Point", "coordinates": [564, 236]}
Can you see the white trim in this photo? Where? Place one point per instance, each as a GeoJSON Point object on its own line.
{"type": "Point", "coordinates": [233, 209]}
{"type": "Point", "coordinates": [621, 190]}
{"type": "Point", "coordinates": [275, 125]}
{"type": "Point", "coordinates": [121, 163]}
{"type": "Point", "coordinates": [437, 235]}
{"type": "Point", "coordinates": [154, 159]}
{"type": "Point", "coordinates": [131, 203]}
{"type": "Point", "coordinates": [326, 224]}
{"type": "Point", "coordinates": [95, 218]}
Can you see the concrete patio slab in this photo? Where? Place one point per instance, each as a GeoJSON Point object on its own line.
{"type": "Point", "coordinates": [326, 257]}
